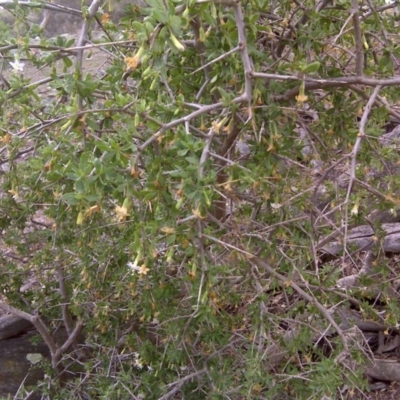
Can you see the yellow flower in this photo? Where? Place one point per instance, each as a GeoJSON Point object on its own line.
{"type": "Point", "coordinates": [167, 229]}
{"type": "Point", "coordinates": [122, 213]}
{"type": "Point", "coordinates": [6, 138]}
{"type": "Point", "coordinates": [197, 213]}
{"type": "Point", "coordinates": [132, 62]}
{"type": "Point", "coordinates": [105, 18]}
{"type": "Point", "coordinates": [80, 219]}
{"type": "Point", "coordinates": [92, 210]}
{"type": "Point", "coordinates": [301, 98]}
{"type": "Point", "coordinates": [143, 270]}
{"type": "Point", "coordinates": [14, 194]}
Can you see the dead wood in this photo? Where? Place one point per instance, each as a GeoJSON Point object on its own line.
{"type": "Point", "coordinates": [363, 238]}
{"type": "Point", "coordinates": [384, 370]}
{"type": "Point", "coordinates": [11, 326]}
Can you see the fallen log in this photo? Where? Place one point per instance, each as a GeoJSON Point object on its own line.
{"type": "Point", "coordinates": [11, 325]}
{"type": "Point", "coordinates": [363, 238]}
{"type": "Point", "coordinates": [384, 370]}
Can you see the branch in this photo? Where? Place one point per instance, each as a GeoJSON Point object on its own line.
{"type": "Point", "coordinates": [311, 299]}
{"type": "Point", "coordinates": [38, 323]}
{"type": "Point", "coordinates": [200, 47]}
{"type": "Point", "coordinates": [379, 100]}
{"type": "Point", "coordinates": [229, 246]}
{"type": "Point", "coordinates": [247, 63]}
{"type": "Point", "coordinates": [358, 38]}
{"type": "Point", "coordinates": [221, 57]}
{"type": "Point", "coordinates": [361, 135]}
{"type": "Point", "coordinates": [71, 338]}
{"type": "Point", "coordinates": [344, 80]}
{"type": "Point", "coordinates": [83, 38]}
{"type": "Point", "coordinates": [380, 9]}
{"type": "Point", "coordinates": [301, 21]}
{"type": "Point", "coordinates": [202, 110]}
{"type": "Point", "coordinates": [312, 84]}
{"type": "Point", "coordinates": [200, 239]}
{"type": "Point", "coordinates": [178, 384]}
{"type": "Point", "coordinates": [219, 205]}
{"type": "Point", "coordinates": [63, 293]}
{"type": "Point", "coordinates": [46, 6]}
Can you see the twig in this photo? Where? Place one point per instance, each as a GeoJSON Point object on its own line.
{"type": "Point", "coordinates": [301, 21]}
{"type": "Point", "coordinates": [311, 299]}
{"type": "Point", "coordinates": [228, 162]}
{"type": "Point", "coordinates": [37, 322]}
{"type": "Point", "coordinates": [178, 384]}
{"type": "Point", "coordinates": [228, 245]}
{"type": "Point", "coordinates": [354, 153]}
{"type": "Point", "coordinates": [221, 57]}
{"type": "Point", "coordinates": [219, 206]}
{"type": "Point", "coordinates": [361, 135]}
{"type": "Point", "coordinates": [379, 100]}
{"type": "Point", "coordinates": [358, 38]}
{"type": "Point", "coordinates": [42, 5]}
{"type": "Point", "coordinates": [63, 293]}
{"type": "Point", "coordinates": [200, 240]}
{"type": "Point", "coordinates": [313, 83]}
{"type": "Point", "coordinates": [187, 118]}
{"type": "Point", "coordinates": [82, 39]}
{"type": "Point", "coordinates": [247, 63]}
{"type": "Point", "coordinates": [71, 338]}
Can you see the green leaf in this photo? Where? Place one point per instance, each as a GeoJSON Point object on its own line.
{"type": "Point", "coordinates": [79, 186]}
{"type": "Point", "coordinates": [160, 15]}
{"type": "Point", "coordinates": [192, 160]}
{"type": "Point", "coordinates": [311, 68]}
{"type": "Point", "coordinates": [67, 62]}
{"type": "Point", "coordinates": [71, 198]}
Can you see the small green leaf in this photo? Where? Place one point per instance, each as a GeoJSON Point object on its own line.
{"type": "Point", "coordinates": [160, 16]}
{"type": "Point", "coordinates": [311, 68]}
{"type": "Point", "coordinates": [67, 62]}
{"type": "Point", "coordinates": [70, 198]}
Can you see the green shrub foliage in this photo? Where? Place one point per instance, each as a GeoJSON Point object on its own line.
{"type": "Point", "coordinates": [161, 192]}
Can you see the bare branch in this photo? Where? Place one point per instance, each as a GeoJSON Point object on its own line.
{"type": "Point", "coordinates": [178, 384]}
{"type": "Point", "coordinates": [72, 337]}
{"type": "Point", "coordinates": [11, 4]}
{"type": "Point", "coordinates": [221, 57]}
{"type": "Point", "coordinates": [40, 327]}
{"type": "Point", "coordinates": [358, 38]}
{"type": "Point", "coordinates": [313, 84]}
{"type": "Point", "coordinates": [247, 63]}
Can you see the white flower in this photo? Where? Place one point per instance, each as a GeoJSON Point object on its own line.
{"type": "Point", "coordinates": [133, 266]}
{"type": "Point", "coordinates": [138, 363]}
{"type": "Point", "coordinates": [142, 270]}
{"type": "Point", "coordinates": [354, 210]}
{"type": "Point", "coordinates": [17, 65]}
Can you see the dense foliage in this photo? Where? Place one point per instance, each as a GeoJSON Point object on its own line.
{"type": "Point", "coordinates": [167, 207]}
